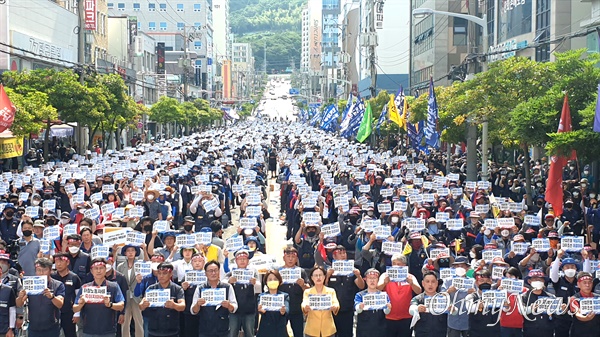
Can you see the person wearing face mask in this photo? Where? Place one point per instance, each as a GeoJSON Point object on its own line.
{"type": "Point", "coordinates": [79, 261]}
{"type": "Point", "coordinates": [9, 223]}
{"type": "Point", "coordinates": [29, 248]}
{"type": "Point", "coordinates": [306, 241]}
{"type": "Point", "coordinates": [188, 225]}
{"type": "Point", "coordinates": [482, 322]}
{"type": "Point", "coordinates": [273, 322]}
{"type": "Point", "coordinates": [416, 256]}
{"type": "Point", "coordinates": [538, 322]}
{"type": "Point", "coordinates": [486, 236]}
{"type": "Point", "coordinates": [151, 204]}
{"type": "Point", "coordinates": [571, 214]}
{"type": "Point", "coordinates": [458, 321]}
{"type": "Point", "coordinates": [564, 287]}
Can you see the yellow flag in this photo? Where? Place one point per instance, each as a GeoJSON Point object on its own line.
{"type": "Point", "coordinates": [407, 249]}
{"type": "Point", "coordinates": [403, 118]}
{"type": "Point", "coordinates": [457, 247]}
{"type": "Point", "coordinates": [425, 241]}
{"type": "Point", "coordinates": [393, 111]}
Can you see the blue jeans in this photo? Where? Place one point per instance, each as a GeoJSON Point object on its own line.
{"type": "Point", "coordinates": [245, 321]}
{"type": "Point", "coordinates": [511, 332]}
{"type": "Point", "coordinates": [146, 320]}
{"type": "Point", "coordinates": [52, 332]}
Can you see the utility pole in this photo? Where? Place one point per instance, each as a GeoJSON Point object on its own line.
{"type": "Point", "coordinates": [81, 39]}
{"type": "Point", "coordinates": [372, 44]}
{"type": "Point", "coordinates": [265, 59]}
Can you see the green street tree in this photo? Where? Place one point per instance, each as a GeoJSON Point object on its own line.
{"type": "Point", "coordinates": [167, 110]}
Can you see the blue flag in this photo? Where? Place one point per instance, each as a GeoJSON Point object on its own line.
{"type": "Point", "coordinates": [347, 108]}
{"type": "Point", "coordinates": [432, 137]}
{"type": "Point", "coordinates": [315, 117]}
{"type": "Point", "coordinates": [597, 116]}
{"type": "Point", "coordinates": [382, 118]}
{"type": "Point", "coordinates": [330, 114]}
{"type": "Point", "coordinates": [356, 116]}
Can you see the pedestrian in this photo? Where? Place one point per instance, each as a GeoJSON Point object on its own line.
{"type": "Point", "coordinates": [164, 320]}
{"type": "Point", "coordinates": [99, 313]}
{"type": "Point", "coordinates": [319, 320]}
{"type": "Point", "coordinates": [44, 308]}
{"type": "Point", "coordinates": [273, 321]}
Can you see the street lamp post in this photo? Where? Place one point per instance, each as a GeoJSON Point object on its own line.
{"type": "Point", "coordinates": [482, 22]}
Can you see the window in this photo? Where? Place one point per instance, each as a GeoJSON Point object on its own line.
{"type": "Point", "coordinates": [151, 26]}
{"type": "Point", "coordinates": [197, 45]}
{"type": "Point", "coordinates": [151, 7]}
{"type": "Point", "coordinates": [139, 24]}
{"type": "Point", "coordinates": [198, 63]}
{"type": "Point", "coordinates": [162, 7]}
{"type": "Point", "coordinates": [198, 24]}
{"type": "Point", "coordinates": [491, 24]}
{"type": "Point", "coordinates": [196, 7]}
{"type": "Point", "coordinates": [180, 7]}
{"type": "Point", "coordinates": [136, 6]}
{"type": "Point", "coordinates": [542, 31]}
{"type": "Point", "coordinates": [460, 31]}
{"type": "Point", "coordinates": [110, 5]}
{"type": "Point", "coordinates": [180, 25]}
{"type": "Point", "coordinates": [163, 26]}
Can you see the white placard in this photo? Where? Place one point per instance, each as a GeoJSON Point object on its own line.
{"type": "Point", "coordinates": [384, 207]}
{"type": "Point", "coordinates": [541, 245]}
{"type": "Point", "coordinates": [489, 254]}
{"type": "Point", "coordinates": [587, 305]}
{"type": "Point", "coordinates": [253, 211]}
{"type": "Point", "coordinates": [397, 273]}
{"type": "Point", "coordinates": [49, 205]}
{"type": "Point", "coordinates": [442, 217]}
{"type": "Point", "coordinates": [391, 247]}
{"type": "Point", "coordinates": [454, 224]}
{"type": "Point", "coordinates": [520, 248]}
{"type": "Point", "coordinates": [32, 211]}
{"type": "Point", "coordinates": [100, 251]}
{"type": "Point", "coordinates": [253, 199]}
{"type": "Point", "coordinates": [400, 206]}
{"type": "Point", "coordinates": [343, 267]}
{"type": "Point", "coordinates": [160, 226]}
{"type": "Point", "coordinates": [158, 297]}
{"type": "Point", "coordinates": [185, 240]}
{"type": "Point", "coordinates": [114, 237]}
{"type": "Point", "coordinates": [331, 230]}
{"type": "Point", "coordinates": [512, 286]}
{"type": "Point", "coordinates": [204, 238]}
{"type": "Point", "coordinates": [491, 223]}
{"type": "Point", "coordinates": [506, 223]}
{"type": "Point", "coordinates": [247, 223]}
{"type": "Point", "coordinates": [242, 275]}
{"type": "Point", "coordinates": [35, 285]}
{"type": "Point", "coordinates": [142, 268]}
{"type": "Point", "coordinates": [435, 252]}
{"type": "Point", "coordinates": [290, 275]}
{"type": "Point", "coordinates": [463, 283]}
{"type": "Point", "coordinates": [494, 298]}
{"type": "Point", "coordinates": [23, 196]}
{"type": "Point", "coordinates": [415, 225]}
{"type": "Point", "coordinates": [498, 272]}
{"type": "Point", "coordinates": [78, 198]}
{"type": "Point", "coordinates": [45, 246]}
{"type": "Point", "coordinates": [137, 196]}
{"type": "Point", "coordinates": [234, 243]}
{"type": "Point", "coordinates": [195, 277]}
{"type": "Point", "coordinates": [382, 232]}
{"type": "Point", "coordinates": [92, 213]}
{"type": "Point", "coordinates": [52, 233]}
{"type": "Point", "coordinates": [386, 192]}
{"type": "Point", "coordinates": [572, 243]}
{"type": "Point", "coordinates": [213, 296]}
{"type": "Point", "coordinates": [482, 209]}
{"type": "Point", "coordinates": [271, 302]}
{"type": "Point", "coordinates": [532, 220]}
{"type": "Point", "coordinates": [135, 238]}
{"type": "Point", "coordinates": [319, 301]}
{"type": "Point", "coordinates": [447, 273]}
{"type": "Point", "coordinates": [212, 204]}
{"type": "Point", "coordinates": [96, 197]}
{"type": "Point", "coordinates": [70, 229]}
{"type": "Point", "coordinates": [375, 301]}
{"type": "Point", "coordinates": [94, 294]}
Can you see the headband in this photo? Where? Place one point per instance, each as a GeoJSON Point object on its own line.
{"type": "Point", "coordinates": [98, 264]}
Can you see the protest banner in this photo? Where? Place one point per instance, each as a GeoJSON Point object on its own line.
{"type": "Point", "coordinates": [158, 297]}
{"type": "Point", "coordinates": [142, 268]}
{"type": "Point", "coordinates": [242, 275]}
{"type": "Point", "coordinates": [271, 302]}
{"type": "Point", "coordinates": [195, 277]}
{"type": "Point", "coordinates": [290, 275]}
{"type": "Point", "coordinates": [397, 273]}
{"type": "Point", "coordinates": [213, 296]}
{"type": "Point", "coordinates": [343, 267]}
{"type": "Point", "coordinates": [319, 301]}
{"type": "Point", "coordinates": [94, 294]}
{"type": "Point", "coordinates": [375, 301]}
{"type": "Point", "coordinates": [35, 285]}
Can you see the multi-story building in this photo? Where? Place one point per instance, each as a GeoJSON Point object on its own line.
{"type": "Point", "coordinates": [222, 46]}
{"type": "Point", "coordinates": [186, 29]}
{"type": "Point", "coordinates": [243, 70]}
{"type": "Point", "coordinates": [305, 53]}
{"type": "Point", "coordinates": [441, 44]}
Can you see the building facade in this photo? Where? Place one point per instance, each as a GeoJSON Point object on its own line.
{"type": "Point", "coordinates": [243, 70]}
{"type": "Point", "coordinates": [304, 54]}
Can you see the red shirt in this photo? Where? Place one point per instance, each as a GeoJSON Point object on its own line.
{"type": "Point", "coordinates": [512, 318]}
{"type": "Point", "coordinates": [400, 294]}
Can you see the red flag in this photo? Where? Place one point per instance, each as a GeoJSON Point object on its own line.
{"type": "Point", "coordinates": [7, 110]}
{"type": "Point", "coordinates": [554, 191]}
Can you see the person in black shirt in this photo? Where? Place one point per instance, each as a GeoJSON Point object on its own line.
{"type": "Point", "coordinates": [295, 291]}
{"type": "Point", "coordinates": [164, 321]}
{"type": "Point", "coordinates": [44, 308]}
{"type": "Point", "coordinates": [72, 284]}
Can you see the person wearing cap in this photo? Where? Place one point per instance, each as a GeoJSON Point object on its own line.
{"type": "Point", "coordinates": [319, 322]}
{"type": "Point", "coordinates": [538, 323]}
{"type": "Point", "coordinates": [245, 291]}
{"type": "Point", "coordinates": [100, 318]}
{"type": "Point", "coordinates": [8, 310]}
{"type": "Point", "coordinates": [306, 241]}
{"type": "Point", "coordinates": [458, 321]}
{"type": "Point", "coordinates": [416, 255]}
{"type": "Point", "coordinates": [80, 261]}
{"type": "Point", "coordinates": [370, 322]}
{"type": "Point", "coordinates": [9, 223]}
{"type": "Point", "coordinates": [169, 251]}
{"type": "Point", "coordinates": [584, 323]}
{"type": "Point", "coordinates": [295, 291]}
{"type": "Point", "coordinates": [346, 287]}
{"type": "Point", "coordinates": [44, 308]}
{"type": "Point", "coordinates": [38, 229]}
{"type": "Point", "coordinates": [29, 249]}
{"type": "Point", "coordinates": [188, 225]}
{"type": "Point", "coordinates": [183, 265]}
{"type": "Point", "coordinates": [164, 321]}
{"type": "Point", "coordinates": [428, 323]}
{"type": "Point", "coordinates": [400, 294]}
{"type": "Point", "coordinates": [512, 258]}
{"type": "Point", "coordinates": [213, 320]}
{"type": "Point", "coordinates": [483, 322]}
{"type": "Point", "coordinates": [564, 286]}
{"type": "Point", "coordinates": [189, 322]}
{"type": "Point", "coordinates": [151, 204]}
{"type": "Point", "coordinates": [132, 309]}
{"type": "Point", "coordinates": [72, 284]}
